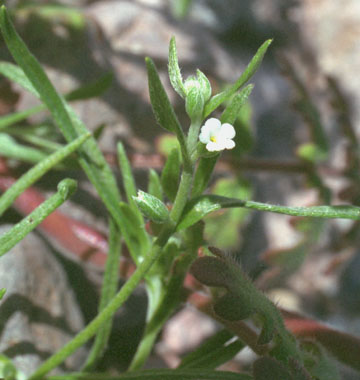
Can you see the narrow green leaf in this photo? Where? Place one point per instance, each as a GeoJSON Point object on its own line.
{"type": "Point", "coordinates": [32, 135]}
{"type": "Point", "coordinates": [123, 294]}
{"type": "Point", "coordinates": [218, 357]}
{"type": "Point", "coordinates": [108, 291]}
{"type": "Point", "coordinates": [65, 189]}
{"type": "Point", "coordinates": [16, 74]}
{"type": "Point", "coordinates": [154, 185]}
{"type": "Point", "coordinates": [156, 374]}
{"type": "Point", "coordinates": [32, 175]}
{"type": "Point", "coordinates": [163, 110]}
{"type": "Point", "coordinates": [231, 112]}
{"type": "Point", "coordinates": [170, 175]}
{"type": "Point", "coordinates": [9, 148]}
{"type": "Point", "coordinates": [90, 156]}
{"type": "Point", "coordinates": [214, 352]}
{"type": "Point", "coordinates": [250, 70]}
{"type": "Point", "coordinates": [198, 207]}
{"type": "Point", "coordinates": [7, 120]}
{"type": "Point", "coordinates": [134, 230]}
{"type": "Point", "coordinates": [90, 90]}
{"type": "Point", "coordinates": [210, 344]}
{"type": "Point", "coordinates": [174, 70]}
{"type": "Point", "coordinates": [2, 293]}
{"type": "Point", "coordinates": [128, 178]}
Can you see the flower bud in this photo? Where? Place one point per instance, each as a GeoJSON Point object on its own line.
{"type": "Point", "coordinates": [151, 207]}
{"type": "Point", "coordinates": [194, 103]}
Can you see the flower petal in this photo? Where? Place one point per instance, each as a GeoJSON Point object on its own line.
{"type": "Point", "coordinates": [227, 131]}
{"type": "Point", "coordinates": [213, 123]}
{"type": "Point", "coordinates": [204, 136]}
{"type": "Point", "coordinates": [229, 144]}
{"type": "Point", "coordinates": [213, 147]}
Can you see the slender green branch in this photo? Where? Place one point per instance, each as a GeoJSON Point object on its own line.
{"type": "Point", "coordinates": [193, 135]}
{"type": "Point", "coordinates": [65, 189]}
{"type": "Point", "coordinates": [158, 316]}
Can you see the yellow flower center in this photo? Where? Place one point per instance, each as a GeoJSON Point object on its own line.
{"type": "Point", "coordinates": [213, 139]}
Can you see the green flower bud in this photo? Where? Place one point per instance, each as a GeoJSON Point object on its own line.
{"type": "Point", "coordinates": [151, 207]}
{"type": "Point", "coordinates": [194, 103]}
{"type": "Point", "coordinates": [198, 92]}
{"type": "Point", "coordinates": [190, 83]}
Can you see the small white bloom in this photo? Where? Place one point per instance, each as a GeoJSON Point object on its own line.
{"type": "Point", "coordinates": [217, 136]}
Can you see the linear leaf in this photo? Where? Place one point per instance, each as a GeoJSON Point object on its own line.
{"type": "Point", "coordinates": [65, 189]}
{"type": "Point", "coordinates": [10, 148]}
{"type": "Point", "coordinates": [163, 110]}
{"type": "Point", "coordinates": [90, 156]}
{"type": "Point", "coordinates": [32, 175]}
{"type": "Point", "coordinates": [154, 185]}
{"type": "Point", "coordinates": [199, 207]}
{"type": "Point", "coordinates": [170, 175]}
{"type": "Point", "coordinates": [214, 352]}
{"type": "Point", "coordinates": [156, 374]}
{"type": "Point", "coordinates": [231, 112]}
{"type": "Point", "coordinates": [108, 291]}
{"type": "Point", "coordinates": [174, 70]}
{"type": "Point", "coordinates": [128, 179]}
{"type": "Point", "coordinates": [250, 70]}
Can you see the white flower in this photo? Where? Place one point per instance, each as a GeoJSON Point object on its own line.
{"type": "Point", "coordinates": [217, 136]}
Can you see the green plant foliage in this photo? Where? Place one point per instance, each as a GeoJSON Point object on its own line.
{"type": "Point", "coordinates": [165, 240]}
{"type": "Point", "coordinates": [250, 70]}
{"type": "Point", "coordinates": [244, 300]}
{"type": "Point", "coordinates": [170, 175]}
{"type": "Point", "coordinates": [65, 189]}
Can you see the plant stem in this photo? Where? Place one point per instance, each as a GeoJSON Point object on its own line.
{"type": "Point", "coordinates": [169, 299]}
{"type": "Point", "coordinates": [193, 135]}
{"type": "Point", "coordinates": [181, 196]}
{"type": "Point", "coordinates": [166, 306]}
